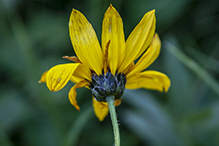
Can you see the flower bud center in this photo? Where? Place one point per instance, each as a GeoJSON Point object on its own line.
{"type": "Point", "coordinates": [107, 84]}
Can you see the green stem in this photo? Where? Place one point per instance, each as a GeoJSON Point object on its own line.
{"type": "Point", "coordinates": [110, 100]}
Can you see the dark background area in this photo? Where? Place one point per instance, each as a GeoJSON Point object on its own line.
{"type": "Point", "coordinates": [34, 37]}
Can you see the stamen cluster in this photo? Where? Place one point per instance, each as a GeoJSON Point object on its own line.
{"type": "Point", "coordinates": [107, 84]}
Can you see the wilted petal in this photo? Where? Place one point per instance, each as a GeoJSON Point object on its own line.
{"type": "Point", "coordinates": [118, 102]}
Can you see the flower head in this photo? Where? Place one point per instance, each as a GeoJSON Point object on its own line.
{"type": "Point", "coordinates": [110, 68]}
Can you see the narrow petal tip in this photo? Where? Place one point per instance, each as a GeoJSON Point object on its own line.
{"type": "Point", "coordinates": [152, 12]}
{"type": "Point", "coordinates": [168, 84]}
{"type": "Point", "coordinates": [110, 8]}
{"type": "Point", "coordinates": [74, 13]}
{"type": "Point", "coordinates": [43, 78]}
{"type": "Point", "coordinates": [74, 10]}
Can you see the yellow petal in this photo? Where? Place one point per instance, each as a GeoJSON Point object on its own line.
{"type": "Point", "coordinates": [128, 69]}
{"type": "Point", "coordinates": [85, 42]}
{"type": "Point", "coordinates": [149, 79]}
{"type": "Point", "coordinates": [43, 77]}
{"type": "Point", "coordinates": [148, 57]}
{"type": "Point", "coordinates": [101, 110]}
{"type": "Point", "coordinates": [82, 72]}
{"type": "Point", "coordinates": [58, 76]}
{"type": "Point", "coordinates": [72, 93]}
{"type": "Point", "coordinates": [139, 39]}
{"type": "Point", "coordinates": [75, 79]}
{"type": "Point", "coordinates": [112, 30]}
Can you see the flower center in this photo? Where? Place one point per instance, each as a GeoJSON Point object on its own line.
{"type": "Point", "coordinates": [107, 84]}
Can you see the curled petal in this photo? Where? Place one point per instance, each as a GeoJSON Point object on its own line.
{"type": "Point", "coordinates": [150, 80]}
{"type": "Point", "coordinates": [148, 57]}
{"type": "Point", "coordinates": [100, 109]}
{"type": "Point", "coordinates": [72, 93]}
{"type": "Point", "coordinates": [58, 76]}
{"type": "Point", "coordinates": [139, 39]}
{"type": "Point", "coordinates": [85, 42]}
{"type": "Point", "coordinates": [112, 30]}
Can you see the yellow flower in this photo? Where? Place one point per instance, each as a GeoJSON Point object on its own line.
{"type": "Point", "coordinates": [110, 68]}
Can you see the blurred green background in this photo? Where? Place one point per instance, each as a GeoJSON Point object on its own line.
{"type": "Point", "coordinates": [34, 37]}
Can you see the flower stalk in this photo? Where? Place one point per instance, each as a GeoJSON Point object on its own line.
{"type": "Point", "coordinates": [110, 100]}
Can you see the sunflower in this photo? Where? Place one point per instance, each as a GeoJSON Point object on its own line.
{"type": "Point", "coordinates": [110, 68]}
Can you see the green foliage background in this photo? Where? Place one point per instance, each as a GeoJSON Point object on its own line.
{"type": "Point", "coordinates": [34, 37]}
